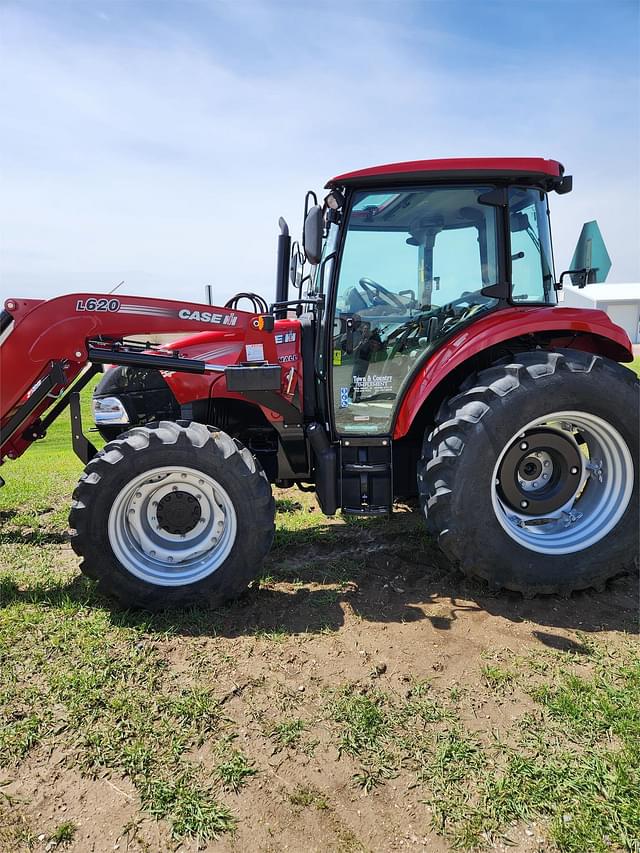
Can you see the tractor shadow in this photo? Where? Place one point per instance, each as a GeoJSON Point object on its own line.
{"type": "Point", "coordinates": [381, 570]}
{"type": "Point", "coordinates": [388, 571]}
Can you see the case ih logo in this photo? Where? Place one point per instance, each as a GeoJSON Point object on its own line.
{"type": "Point", "coordinates": [286, 338]}
{"type": "Point", "coordinates": [208, 317]}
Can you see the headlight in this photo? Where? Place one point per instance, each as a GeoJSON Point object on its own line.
{"type": "Point", "coordinates": [109, 410]}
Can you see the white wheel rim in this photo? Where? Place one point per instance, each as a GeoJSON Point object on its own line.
{"type": "Point", "coordinates": [602, 494]}
{"type": "Point", "coordinates": [145, 542]}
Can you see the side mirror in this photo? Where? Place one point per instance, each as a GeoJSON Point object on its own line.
{"type": "Point", "coordinates": [296, 266]}
{"type": "Point", "coordinates": [312, 235]}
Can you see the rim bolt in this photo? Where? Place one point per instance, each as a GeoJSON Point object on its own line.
{"type": "Point", "coordinates": [574, 470]}
{"type": "Point", "coordinates": [201, 482]}
{"type": "Point", "coordinates": [524, 504]}
{"type": "Point", "coordinates": [524, 446]}
{"type": "Point", "coordinates": [547, 463]}
{"type": "Point", "coordinates": [132, 512]}
{"type": "Point", "coordinates": [170, 559]}
{"type": "Point", "coordinates": [545, 476]}
{"type": "Point", "coordinates": [174, 488]}
{"type": "Point", "coordinates": [138, 494]}
{"type": "Point", "coordinates": [152, 553]}
{"type": "Point", "coordinates": [154, 503]}
{"type": "Point", "coordinates": [184, 536]}
{"type": "Point", "coordinates": [201, 521]}
{"type": "Point", "coordinates": [184, 476]}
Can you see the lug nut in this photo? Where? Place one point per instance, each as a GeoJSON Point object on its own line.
{"type": "Point", "coordinates": [524, 446]}
{"type": "Point", "coordinates": [524, 504]}
{"type": "Point", "coordinates": [547, 463]}
{"type": "Point", "coordinates": [574, 470]}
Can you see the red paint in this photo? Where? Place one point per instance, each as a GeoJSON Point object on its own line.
{"type": "Point", "coordinates": [59, 330]}
{"type": "Point", "coordinates": [475, 165]}
{"type": "Point", "coordinates": [606, 338]}
{"type": "Point", "coordinates": [189, 386]}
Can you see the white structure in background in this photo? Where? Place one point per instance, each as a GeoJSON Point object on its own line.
{"type": "Point", "coordinates": [620, 301]}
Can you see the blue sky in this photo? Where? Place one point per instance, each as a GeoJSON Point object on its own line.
{"type": "Point", "coordinates": [158, 142]}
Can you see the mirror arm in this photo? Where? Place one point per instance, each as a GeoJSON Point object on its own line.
{"type": "Point", "coordinates": [584, 274]}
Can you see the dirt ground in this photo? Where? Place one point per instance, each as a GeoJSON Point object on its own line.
{"type": "Point", "coordinates": [370, 606]}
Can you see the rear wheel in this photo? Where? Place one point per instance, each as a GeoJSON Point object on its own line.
{"type": "Point", "coordinates": [172, 514]}
{"type": "Point", "coordinates": [530, 477]}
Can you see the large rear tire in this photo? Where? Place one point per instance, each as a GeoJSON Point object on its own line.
{"type": "Point", "coordinates": [172, 514]}
{"type": "Point", "coordinates": [530, 477]}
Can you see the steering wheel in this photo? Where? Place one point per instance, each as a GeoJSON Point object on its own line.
{"type": "Point", "coordinates": [374, 291]}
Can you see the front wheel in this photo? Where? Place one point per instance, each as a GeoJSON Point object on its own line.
{"type": "Point", "coordinates": [530, 477]}
{"type": "Point", "coordinates": [172, 514]}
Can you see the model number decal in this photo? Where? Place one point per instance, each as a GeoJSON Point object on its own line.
{"type": "Point", "coordinates": [98, 305]}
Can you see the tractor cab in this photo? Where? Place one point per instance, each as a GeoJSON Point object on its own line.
{"type": "Point", "coordinates": [412, 254]}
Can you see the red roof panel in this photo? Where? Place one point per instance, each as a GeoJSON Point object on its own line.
{"type": "Point", "coordinates": [448, 166]}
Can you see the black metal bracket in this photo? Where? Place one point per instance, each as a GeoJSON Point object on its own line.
{"type": "Point", "coordinates": [54, 377]}
{"type": "Point", "coordinates": [64, 401]}
{"type": "Point", "coordinates": [84, 450]}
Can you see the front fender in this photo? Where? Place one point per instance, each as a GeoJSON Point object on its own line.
{"type": "Point", "coordinates": [594, 330]}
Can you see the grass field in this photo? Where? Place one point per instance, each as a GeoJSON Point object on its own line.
{"type": "Point", "coordinates": [361, 696]}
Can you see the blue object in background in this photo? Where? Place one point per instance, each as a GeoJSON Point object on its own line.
{"type": "Point", "coordinates": [591, 254]}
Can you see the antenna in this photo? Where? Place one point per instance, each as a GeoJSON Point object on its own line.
{"type": "Point", "coordinates": [117, 286]}
{"type": "Point", "coordinates": [208, 290]}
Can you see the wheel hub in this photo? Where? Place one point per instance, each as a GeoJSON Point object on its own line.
{"type": "Point", "coordinates": [178, 512]}
{"type": "Point", "coordinates": [562, 482]}
{"type": "Point", "coordinates": [540, 472]}
{"type": "Point", "coordinates": [172, 525]}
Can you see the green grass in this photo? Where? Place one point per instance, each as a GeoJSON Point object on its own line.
{"type": "Point", "coordinates": [235, 771]}
{"type": "Point", "coordinates": [573, 764]}
{"type": "Point", "coordinates": [304, 797]}
{"type": "Point", "coordinates": [99, 686]}
{"type": "Point", "coordinates": [63, 833]}
{"type": "Point", "coordinates": [288, 733]}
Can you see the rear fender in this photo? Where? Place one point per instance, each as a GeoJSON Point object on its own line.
{"type": "Point", "coordinates": [577, 328]}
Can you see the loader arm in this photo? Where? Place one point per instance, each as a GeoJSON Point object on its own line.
{"type": "Point", "coordinates": [46, 344]}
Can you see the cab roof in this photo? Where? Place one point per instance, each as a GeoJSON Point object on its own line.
{"type": "Point", "coordinates": [530, 169]}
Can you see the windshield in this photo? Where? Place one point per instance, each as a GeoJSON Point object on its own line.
{"type": "Point", "coordinates": [413, 267]}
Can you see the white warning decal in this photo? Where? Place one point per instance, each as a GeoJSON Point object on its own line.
{"type": "Point", "coordinates": [255, 352]}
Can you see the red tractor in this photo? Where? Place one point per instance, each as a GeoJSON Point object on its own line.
{"type": "Point", "coordinates": [424, 354]}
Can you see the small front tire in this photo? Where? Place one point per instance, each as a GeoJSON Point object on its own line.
{"type": "Point", "coordinates": [172, 514]}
